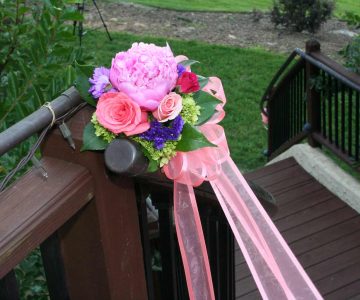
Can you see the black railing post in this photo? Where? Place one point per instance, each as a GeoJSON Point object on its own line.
{"type": "Point", "coordinates": [162, 201]}
{"type": "Point", "coordinates": [312, 95]}
{"type": "Point", "coordinates": [8, 287]}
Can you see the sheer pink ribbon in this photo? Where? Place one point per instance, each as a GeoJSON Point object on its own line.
{"type": "Point", "coordinates": [274, 267]}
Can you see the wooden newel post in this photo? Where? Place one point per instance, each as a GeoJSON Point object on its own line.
{"type": "Point", "coordinates": [313, 96]}
{"type": "Point", "coordinates": [101, 245]}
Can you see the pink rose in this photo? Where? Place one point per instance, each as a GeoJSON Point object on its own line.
{"type": "Point", "coordinates": [188, 82]}
{"type": "Point", "coordinates": [118, 113]}
{"type": "Point", "coordinates": [145, 72]}
{"type": "Point", "coordinates": [169, 108]}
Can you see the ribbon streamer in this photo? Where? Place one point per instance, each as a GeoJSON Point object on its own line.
{"type": "Point", "coordinates": [275, 269]}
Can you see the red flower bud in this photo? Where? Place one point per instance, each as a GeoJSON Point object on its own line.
{"type": "Point", "coordinates": [188, 83]}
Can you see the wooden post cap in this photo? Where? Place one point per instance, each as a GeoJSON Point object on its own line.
{"type": "Point", "coordinates": [124, 157]}
{"type": "Point", "coordinates": [312, 46]}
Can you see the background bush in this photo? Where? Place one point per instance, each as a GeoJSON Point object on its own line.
{"type": "Point", "coordinates": [37, 53]}
{"type": "Point", "coordinates": [352, 55]}
{"type": "Point", "coordinates": [301, 15]}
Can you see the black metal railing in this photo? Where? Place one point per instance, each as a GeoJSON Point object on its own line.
{"type": "Point", "coordinates": [312, 96]}
{"type": "Point", "coordinates": [169, 282]}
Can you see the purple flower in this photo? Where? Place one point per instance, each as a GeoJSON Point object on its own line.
{"type": "Point", "coordinates": [180, 69]}
{"type": "Point", "coordinates": [159, 134]}
{"type": "Point", "coordinates": [100, 82]}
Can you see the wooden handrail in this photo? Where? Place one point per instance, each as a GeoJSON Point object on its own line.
{"type": "Point", "coordinates": [33, 208]}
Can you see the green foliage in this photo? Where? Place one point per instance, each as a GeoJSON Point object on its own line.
{"type": "Point", "coordinates": [190, 111]}
{"type": "Point", "coordinates": [192, 139]}
{"type": "Point", "coordinates": [352, 55]}
{"type": "Point", "coordinates": [91, 141]}
{"type": "Point", "coordinates": [31, 278]}
{"type": "Point", "coordinates": [301, 15]}
{"type": "Point", "coordinates": [352, 18]}
{"type": "Point", "coordinates": [36, 55]}
{"type": "Point", "coordinates": [207, 105]}
{"type": "Point", "coordinates": [232, 5]}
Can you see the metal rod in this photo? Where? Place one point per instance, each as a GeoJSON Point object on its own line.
{"type": "Point", "coordinates": [38, 120]}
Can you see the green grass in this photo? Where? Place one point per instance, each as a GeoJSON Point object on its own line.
{"type": "Point", "coordinates": [245, 74]}
{"type": "Point", "coordinates": [233, 5]}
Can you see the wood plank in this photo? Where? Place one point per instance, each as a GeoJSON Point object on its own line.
{"type": "Point", "coordinates": [322, 231]}
{"type": "Point", "coordinates": [32, 209]}
{"type": "Point", "coordinates": [329, 250]}
{"type": "Point", "coordinates": [340, 279]}
{"type": "Point", "coordinates": [303, 201]}
{"type": "Point", "coordinates": [254, 295]}
{"type": "Point", "coordinates": [309, 214]}
{"type": "Point", "coordinates": [271, 169]}
{"type": "Point", "coordinates": [245, 286]}
{"type": "Point", "coordinates": [288, 184]}
{"type": "Point", "coordinates": [325, 236]}
{"type": "Point", "coordinates": [319, 224]}
{"type": "Point", "coordinates": [293, 172]}
{"type": "Point", "coordinates": [334, 264]}
{"type": "Point", "coordinates": [288, 195]}
{"type": "Point", "coordinates": [346, 292]}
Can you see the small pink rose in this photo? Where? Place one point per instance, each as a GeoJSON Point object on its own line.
{"type": "Point", "coordinates": [118, 113]}
{"type": "Point", "coordinates": [169, 107]}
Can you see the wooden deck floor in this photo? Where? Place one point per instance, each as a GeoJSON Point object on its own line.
{"type": "Point", "coordinates": [322, 231]}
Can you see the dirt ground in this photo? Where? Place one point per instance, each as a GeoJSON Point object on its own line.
{"type": "Point", "coordinates": [237, 29]}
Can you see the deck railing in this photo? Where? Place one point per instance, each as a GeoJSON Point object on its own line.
{"type": "Point", "coordinates": [92, 223]}
{"type": "Point", "coordinates": [312, 96]}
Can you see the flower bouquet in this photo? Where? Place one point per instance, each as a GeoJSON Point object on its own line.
{"type": "Point", "coordinates": [153, 98]}
{"type": "Point", "coordinates": [150, 97]}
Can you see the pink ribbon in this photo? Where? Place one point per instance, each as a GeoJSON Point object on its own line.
{"type": "Point", "coordinates": [274, 267]}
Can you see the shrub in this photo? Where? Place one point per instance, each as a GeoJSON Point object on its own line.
{"type": "Point", "coordinates": [352, 55]}
{"type": "Point", "coordinates": [301, 15]}
{"type": "Point", "coordinates": [352, 19]}
{"type": "Point", "coordinates": [37, 54]}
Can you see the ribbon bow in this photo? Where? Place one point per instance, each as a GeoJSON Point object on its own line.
{"type": "Point", "coordinates": [274, 267]}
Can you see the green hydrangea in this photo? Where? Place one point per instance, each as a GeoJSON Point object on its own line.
{"type": "Point", "coordinates": [102, 132]}
{"type": "Point", "coordinates": [190, 111]}
{"type": "Point", "coordinates": [162, 156]}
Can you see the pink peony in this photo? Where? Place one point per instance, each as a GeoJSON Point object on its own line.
{"type": "Point", "coordinates": [169, 108]}
{"type": "Point", "coordinates": [118, 113]}
{"type": "Point", "coordinates": [145, 72]}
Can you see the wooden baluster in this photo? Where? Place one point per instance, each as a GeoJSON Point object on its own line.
{"type": "Point", "coordinates": [9, 287]}
{"type": "Point", "coordinates": [54, 268]}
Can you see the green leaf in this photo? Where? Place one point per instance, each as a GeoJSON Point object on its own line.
{"type": "Point", "coordinates": [203, 81]}
{"type": "Point", "coordinates": [87, 70]}
{"type": "Point", "coordinates": [192, 139]}
{"type": "Point", "coordinates": [71, 14]}
{"type": "Point", "coordinates": [207, 105]}
{"type": "Point", "coordinates": [188, 62]}
{"type": "Point", "coordinates": [153, 164]}
{"type": "Point", "coordinates": [90, 140]}
{"type": "Point", "coordinates": [83, 73]}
